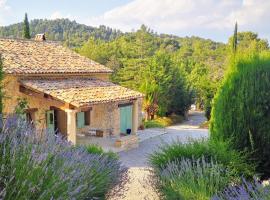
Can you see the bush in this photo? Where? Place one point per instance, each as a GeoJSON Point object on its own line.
{"type": "Point", "coordinates": [42, 166]}
{"type": "Point", "coordinates": [247, 190]}
{"type": "Point", "coordinates": [95, 149]}
{"type": "Point", "coordinates": [153, 124]}
{"type": "Point", "coordinates": [162, 122]}
{"type": "Point", "coordinates": [241, 111]}
{"type": "Point", "coordinates": [193, 179]}
{"type": "Point", "coordinates": [219, 151]}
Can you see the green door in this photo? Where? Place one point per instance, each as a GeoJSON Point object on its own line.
{"type": "Point", "coordinates": [50, 121]}
{"type": "Point", "coordinates": [125, 118]}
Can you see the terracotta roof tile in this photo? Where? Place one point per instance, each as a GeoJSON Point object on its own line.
{"type": "Point", "coordinates": [36, 57]}
{"type": "Point", "coordinates": [81, 91]}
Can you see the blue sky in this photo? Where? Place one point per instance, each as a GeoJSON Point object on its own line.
{"type": "Point", "coordinates": [212, 19]}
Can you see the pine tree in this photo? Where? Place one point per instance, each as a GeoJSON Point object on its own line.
{"type": "Point", "coordinates": [26, 28]}
{"type": "Point", "coordinates": [234, 45]}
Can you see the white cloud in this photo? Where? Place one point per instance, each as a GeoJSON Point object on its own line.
{"type": "Point", "coordinates": [59, 15]}
{"type": "Point", "coordinates": [4, 11]}
{"type": "Point", "coordinates": [171, 16]}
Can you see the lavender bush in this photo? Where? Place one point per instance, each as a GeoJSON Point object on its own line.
{"type": "Point", "coordinates": [247, 190]}
{"type": "Point", "coordinates": [191, 179]}
{"type": "Point", "coordinates": [42, 166]}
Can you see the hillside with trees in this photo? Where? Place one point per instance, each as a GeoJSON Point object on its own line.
{"type": "Point", "coordinates": [71, 33]}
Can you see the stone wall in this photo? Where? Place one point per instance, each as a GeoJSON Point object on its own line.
{"type": "Point", "coordinates": [106, 117]}
{"type": "Point", "coordinates": [12, 93]}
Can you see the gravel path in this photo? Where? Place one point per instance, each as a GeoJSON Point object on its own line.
{"type": "Point", "coordinates": [136, 159]}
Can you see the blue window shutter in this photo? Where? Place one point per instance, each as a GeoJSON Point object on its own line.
{"type": "Point", "coordinates": [80, 120]}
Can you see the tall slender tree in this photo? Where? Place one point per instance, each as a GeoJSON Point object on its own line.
{"type": "Point", "coordinates": [26, 28]}
{"type": "Point", "coordinates": [1, 86]}
{"type": "Point", "coordinates": [234, 45]}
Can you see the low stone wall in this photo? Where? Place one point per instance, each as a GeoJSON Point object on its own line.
{"type": "Point", "coordinates": [127, 142]}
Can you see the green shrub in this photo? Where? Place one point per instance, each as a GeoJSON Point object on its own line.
{"type": "Point", "coordinates": [192, 179]}
{"type": "Point", "coordinates": [153, 124]}
{"type": "Point", "coordinates": [218, 150]}
{"type": "Point", "coordinates": [162, 122]}
{"type": "Point", "coordinates": [94, 149]}
{"type": "Point", "coordinates": [241, 111]}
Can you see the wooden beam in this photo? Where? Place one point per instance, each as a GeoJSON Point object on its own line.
{"type": "Point", "coordinates": [31, 110]}
{"type": "Point", "coordinates": [29, 92]}
{"type": "Point", "coordinates": [125, 104]}
{"type": "Point", "coordinates": [85, 109]}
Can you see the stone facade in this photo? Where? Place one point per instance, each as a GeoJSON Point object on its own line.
{"type": "Point", "coordinates": [102, 116]}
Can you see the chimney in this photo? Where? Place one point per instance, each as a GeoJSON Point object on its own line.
{"type": "Point", "coordinates": [40, 37]}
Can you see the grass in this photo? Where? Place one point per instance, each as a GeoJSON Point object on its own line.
{"type": "Point", "coordinates": [95, 149]}
{"type": "Point", "coordinates": [162, 122]}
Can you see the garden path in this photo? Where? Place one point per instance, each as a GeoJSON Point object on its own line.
{"type": "Point", "coordinates": [139, 187]}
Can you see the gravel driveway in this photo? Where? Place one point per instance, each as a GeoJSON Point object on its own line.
{"type": "Point", "coordinates": [136, 159]}
{"type": "Point", "coordinates": [182, 132]}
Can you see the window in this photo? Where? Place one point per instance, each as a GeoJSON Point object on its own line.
{"type": "Point", "coordinates": [83, 119]}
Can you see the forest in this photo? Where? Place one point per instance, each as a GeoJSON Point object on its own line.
{"type": "Point", "coordinates": [172, 72]}
{"type": "Point", "coordinates": [71, 33]}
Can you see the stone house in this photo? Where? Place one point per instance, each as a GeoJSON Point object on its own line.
{"type": "Point", "coordinates": [66, 92]}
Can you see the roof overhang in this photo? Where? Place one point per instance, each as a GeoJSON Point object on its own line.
{"type": "Point", "coordinates": [80, 92]}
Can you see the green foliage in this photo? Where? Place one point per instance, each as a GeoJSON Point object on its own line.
{"type": "Point", "coordinates": [21, 106]}
{"type": "Point", "coordinates": [234, 40]}
{"type": "Point", "coordinates": [1, 85]}
{"type": "Point", "coordinates": [144, 61]}
{"type": "Point", "coordinates": [26, 28]}
{"type": "Point", "coordinates": [219, 151]}
{"type": "Point", "coordinates": [193, 179]}
{"type": "Point", "coordinates": [248, 42]}
{"type": "Point", "coordinates": [162, 122]}
{"type": "Point", "coordinates": [241, 108]}
{"type": "Point", "coordinates": [153, 124]}
{"type": "Point", "coordinates": [95, 149]}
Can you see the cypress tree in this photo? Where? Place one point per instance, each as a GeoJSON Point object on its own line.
{"type": "Point", "coordinates": [241, 111]}
{"type": "Point", "coordinates": [1, 85]}
{"type": "Point", "coordinates": [26, 28]}
{"type": "Point", "coordinates": [234, 45]}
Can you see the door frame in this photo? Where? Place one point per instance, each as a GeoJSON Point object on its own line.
{"type": "Point", "coordinates": [130, 118]}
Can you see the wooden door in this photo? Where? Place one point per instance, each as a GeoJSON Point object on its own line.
{"type": "Point", "coordinates": [125, 118]}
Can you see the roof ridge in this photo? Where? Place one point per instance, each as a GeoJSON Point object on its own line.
{"type": "Point", "coordinates": [31, 40]}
